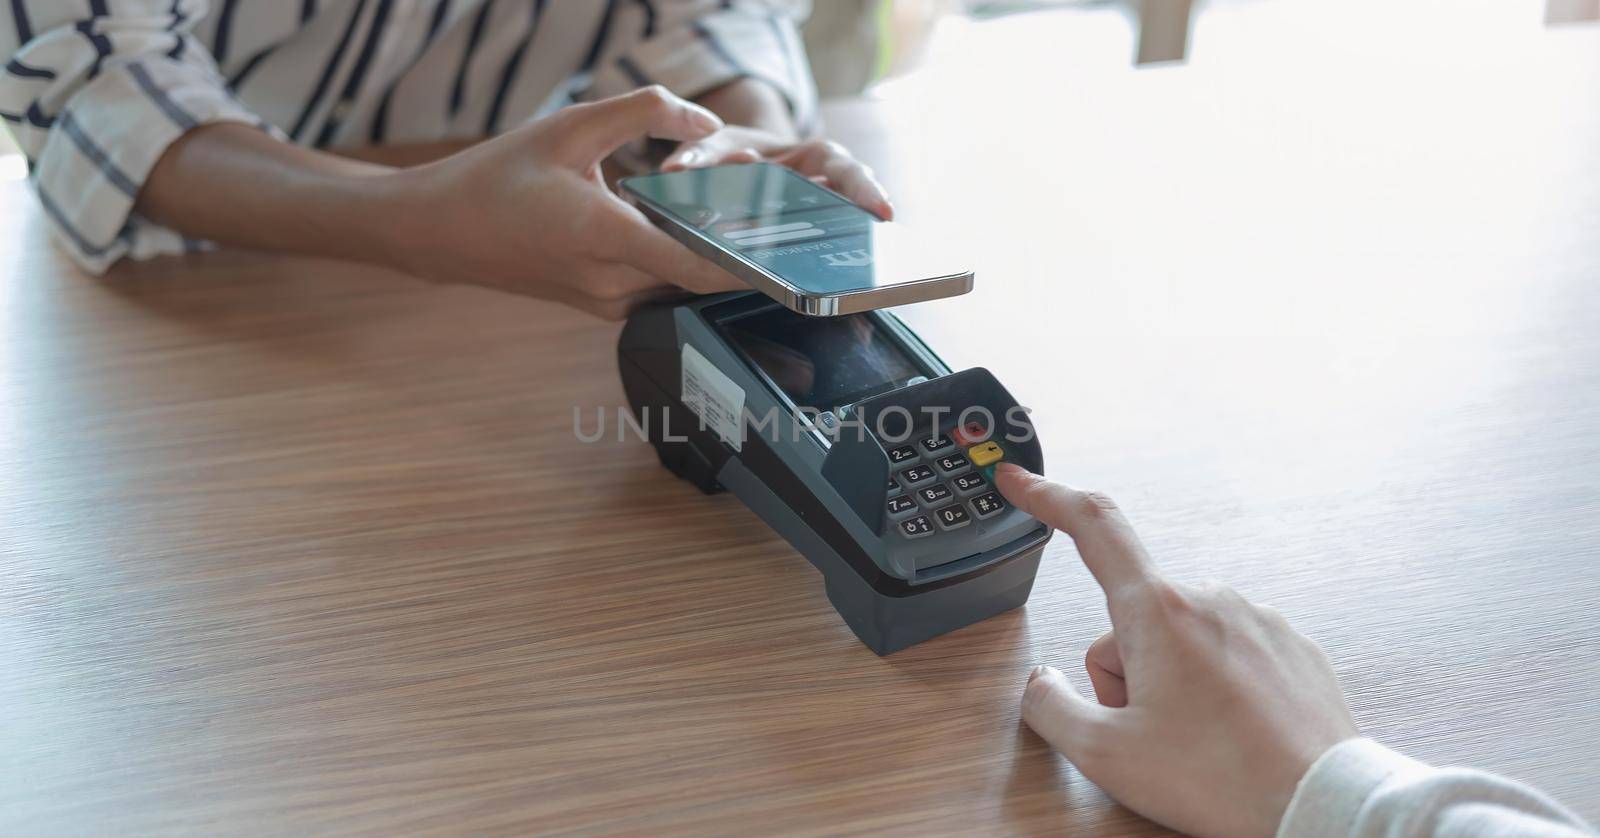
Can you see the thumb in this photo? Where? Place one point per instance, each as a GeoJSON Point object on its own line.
{"type": "Point", "coordinates": [1074, 725]}
{"type": "Point", "coordinates": [599, 128]}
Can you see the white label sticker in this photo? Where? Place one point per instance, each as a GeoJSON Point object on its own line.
{"type": "Point", "coordinates": [713, 397]}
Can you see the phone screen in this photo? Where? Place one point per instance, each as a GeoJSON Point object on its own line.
{"type": "Point", "coordinates": [808, 236]}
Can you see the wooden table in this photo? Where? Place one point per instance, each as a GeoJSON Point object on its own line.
{"type": "Point", "coordinates": [290, 546]}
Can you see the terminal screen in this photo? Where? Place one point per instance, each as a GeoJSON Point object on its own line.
{"type": "Point", "coordinates": [823, 362]}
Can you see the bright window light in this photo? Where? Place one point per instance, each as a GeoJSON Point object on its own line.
{"type": "Point", "coordinates": [13, 167]}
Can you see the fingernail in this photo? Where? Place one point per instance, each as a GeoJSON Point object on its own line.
{"type": "Point", "coordinates": [1011, 468]}
{"type": "Point", "coordinates": [1036, 672]}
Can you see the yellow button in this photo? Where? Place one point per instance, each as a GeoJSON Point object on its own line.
{"type": "Point", "coordinates": [986, 454]}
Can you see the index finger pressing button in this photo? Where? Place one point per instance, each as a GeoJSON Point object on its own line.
{"type": "Point", "coordinates": [1105, 540]}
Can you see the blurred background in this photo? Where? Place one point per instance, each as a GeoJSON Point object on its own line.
{"type": "Point", "coordinates": [854, 43]}
{"type": "Point", "coordinates": [857, 44]}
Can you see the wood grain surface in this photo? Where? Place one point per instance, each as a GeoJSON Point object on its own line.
{"type": "Point", "coordinates": [293, 547]}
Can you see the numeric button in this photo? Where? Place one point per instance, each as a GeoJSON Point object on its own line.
{"type": "Point", "coordinates": [902, 454]}
{"type": "Point", "coordinates": [966, 484]}
{"type": "Point", "coordinates": [953, 516]}
{"type": "Point", "coordinates": [935, 443]}
{"type": "Point", "coordinates": [933, 494]}
{"type": "Point", "coordinates": [915, 475]}
{"type": "Point", "coordinates": [900, 505]}
{"type": "Point", "coordinates": [951, 462]}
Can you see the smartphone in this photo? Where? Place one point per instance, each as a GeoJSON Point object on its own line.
{"type": "Point", "coordinates": [799, 243]}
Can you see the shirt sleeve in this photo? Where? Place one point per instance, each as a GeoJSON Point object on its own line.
{"type": "Point", "coordinates": [694, 46]}
{"type": "Point", "coordinates": [1359, 789]}
{"type": "Point", "coordinates": [94, 93]}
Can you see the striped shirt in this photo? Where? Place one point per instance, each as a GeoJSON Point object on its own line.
{"type": "Point", "coordinates": [94, 91]}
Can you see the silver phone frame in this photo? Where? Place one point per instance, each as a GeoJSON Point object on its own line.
{"type": "Point", "coordinates": [774, 286]}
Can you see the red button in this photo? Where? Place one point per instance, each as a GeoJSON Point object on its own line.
{"type": "Point", "coordinates": [970, 434]}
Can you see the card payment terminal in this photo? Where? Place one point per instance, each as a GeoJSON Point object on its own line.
{"type": "Point", "coordinates": [856, 443]}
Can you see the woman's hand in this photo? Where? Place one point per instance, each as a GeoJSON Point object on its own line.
{"type": "Point", "coordinates": [1210, 708]}
{"type": "Point", "coordinates": [528, 212]}
{"type": "Point", "coordinates": [825, 162]}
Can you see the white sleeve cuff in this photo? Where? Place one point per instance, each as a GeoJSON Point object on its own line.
{"type": "Point", "coordinates": [1359, 788]}
{"type": "Point", "coordinates": [1329, 797]}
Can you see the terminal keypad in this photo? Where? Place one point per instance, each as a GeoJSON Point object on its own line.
{"type": "Point", "coordinates": [948, 482]}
